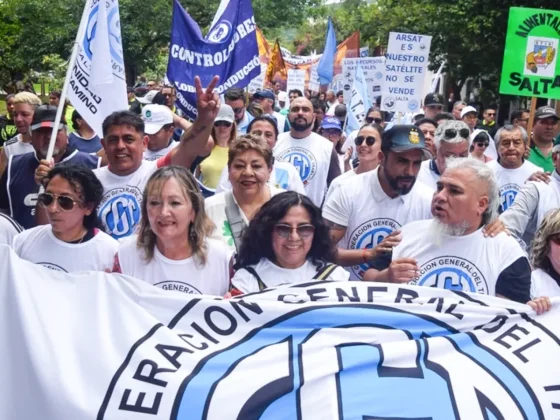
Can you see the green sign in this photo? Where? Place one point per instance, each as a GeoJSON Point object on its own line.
{"type": "Point", "coordinates": [531, 65]}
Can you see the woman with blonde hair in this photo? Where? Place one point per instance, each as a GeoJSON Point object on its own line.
{"type": "Point", "coordinates": [172, 249]}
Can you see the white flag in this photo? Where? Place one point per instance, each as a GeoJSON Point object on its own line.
{"type": "Point", "coordinates": [97, 85]}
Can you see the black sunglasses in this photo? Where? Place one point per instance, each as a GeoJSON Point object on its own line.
{"type": "Point", "coordinates": [238, 110]}
{"type": "Point", "coordinates": [451, 133]}
{"type": "Point", "coordinates": [370, 120]}
{"type": "Point", "coordinates": [482, 144]}
{"type": "Point", "coordinates": [370, 140]}
{"type": "Point", "coordinates": [64, 202]}
{"type": "Point", "coordinates": [303, 231]}
{"type": "Point", "coordinates": [222, 124]}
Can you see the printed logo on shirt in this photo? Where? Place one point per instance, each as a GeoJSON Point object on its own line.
{"type": "Point", "coordinates": [303, 160]}
{"type": "Point", "coordinates": [452, 273]}
{"type": "Point", "coordinates": [507, 195]}
{"type": "Point", "coordinates": [120, 211]}
{"type": "Point", "coordinates": [52, 266]}
{"type": "Point", "coordinates": [178, 286]}
{"type": "Point", "coordinates": [368, 235]}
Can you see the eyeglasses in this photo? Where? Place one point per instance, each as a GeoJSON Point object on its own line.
{"type": "Point", "coordinates": [370, 120]}
{"type": "Point", "coordinates": [238, 110]}
{"type": "Point", "coordinates": [482, 144]}
{"type": "Point", "coordinates": [222, 124]}
{"type": "Point", "coordinates": [451, 133]}
{"type": "Point", "coordinates": [64, 202]}
{"type": "Point", "coordinates": [370, 140]}
{"type": "Point", "coordinates": [303, 231]}
{"type": "Point", "coordinates": [491, 114]}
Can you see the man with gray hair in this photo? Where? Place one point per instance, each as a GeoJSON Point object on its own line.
{"type": "Point", "coordinates": [512, 170]}
{"type": "Point", "coordinates": [532, 202]}
{"type": "Point", "coordinates": [451, 140]}
{"type": "Point", "coordinates": [450, 251]}
{"type": "Point", "coordinates": [457, 108]}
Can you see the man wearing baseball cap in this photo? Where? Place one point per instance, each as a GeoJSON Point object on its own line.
{"type": "Point", "coordinates": [433, 105]}
{"type": "Point", "coordinates": [546, 121]}
{"type": "Point", "coordinates": [365, 214]}
{"type": "Point", "coordinates": [266, 99]}
{"type": "Point", "coordinates": [19, 185]}
{"type": "Point", "coordinates": [159, 127]}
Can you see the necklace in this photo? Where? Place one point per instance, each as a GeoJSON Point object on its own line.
{"type": "Point", "coordinates": [81, 239]}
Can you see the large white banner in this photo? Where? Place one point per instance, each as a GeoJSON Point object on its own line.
{"type": "Point", "coordinates": [374, 70]}
{"type": "Point", "coordinates": [102, 346]}
{"type": "Point", "coordinates": [405, 68]}
{"type": "Point", "coordinates": [97, 85]}
{"type": "Point", "coordinates": [296, 80]}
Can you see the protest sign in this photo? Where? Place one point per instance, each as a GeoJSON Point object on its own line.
{"type": "Point", "coordinates": [531, 66]}
{"type": "Point", "coordinates": [364, 52]}
{"type": "Point", "coordinates": [405, 68]}
{"type": "Point", "coordinates": [374, 70]}
{"type": "Point", "coordinates": [229, 50]}
{"type": "Point", "coordinates": [296, 80]}
{"type": "Point", "coordinates": [359, 102]}
{"type": "Point", "coordinates": [314, 81]}
{"type": "Point", "coordinates": [97, 345]}
{"type": "Point", "coordinates": [258, 82]}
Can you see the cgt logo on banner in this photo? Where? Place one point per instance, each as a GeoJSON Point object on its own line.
{"type": "Point", "coordinates": [230, 50]}
{"type": "Point", "coordinates": [326, 350]}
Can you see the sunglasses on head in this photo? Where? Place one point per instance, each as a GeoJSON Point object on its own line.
{"type": "Point", "coordinates": [284, 231]}
{"type": "Point", "coordinates": [370, 140]}
{"type": "Point", "coordinates": [451, 133]}
{"type": "Point", "coordinates": [370, 120]}
{"type": "Point", "coordinates": [222, 124]}
{"type": "Point", "coordinates": [65, 202]}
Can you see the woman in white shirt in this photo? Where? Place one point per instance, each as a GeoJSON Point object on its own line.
{"type": "Point", "coordinates": [172, 249]}
{"type": "Point", "coordinates": [72, 241]}
{"type": "Point", "coordinates": [250, 164]}
{"type": "Point", "coordinates": [287, 242]}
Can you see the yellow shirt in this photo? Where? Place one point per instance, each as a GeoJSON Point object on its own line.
{"type": "Point", "coordinates": [211, 168]}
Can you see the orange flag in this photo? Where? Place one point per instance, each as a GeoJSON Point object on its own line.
{"type": "Point", "coordinates": [349, 48]}
{"type": "Point", "coordinates": [276, 64]}
{"type": "Point", "coordinates": [264, 47]}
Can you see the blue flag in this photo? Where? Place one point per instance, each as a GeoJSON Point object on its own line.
{"type": "Point", "coordinates": [229, 50]}
{"type": "Point", "coordinates": [359, 102]}
{"type": "Point", "coordinates": [325, 70]}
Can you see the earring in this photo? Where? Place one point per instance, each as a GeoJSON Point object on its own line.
{"type": "Point", "coordinates": [192, 233]}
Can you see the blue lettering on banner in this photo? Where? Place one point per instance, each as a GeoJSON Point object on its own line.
{"type": "Point", "coordinates": [303, 160]}
{"type": "Point", "coordinates": [120, 211]}
{"type": "Point", "coordinates": [229, 50]}
{"type": "Point", "coordinates": [423, 381]}
{"type": "Point", "coordinates": [113, 25]}
{"type": "Point", "coordinates": [452, 273]}
{"type": "Point", "coordinates": [508, 193]}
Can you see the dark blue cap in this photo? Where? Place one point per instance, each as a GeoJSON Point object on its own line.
{"type": "Point", "coordinates": [268, 94]}
{"type": "Point", "coordinates": [402, 138]}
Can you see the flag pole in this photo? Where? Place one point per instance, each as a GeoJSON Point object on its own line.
{"type": "Point", "coordinates": [64, 92]}
{"type": "Point", "coordinates": [531, 119]}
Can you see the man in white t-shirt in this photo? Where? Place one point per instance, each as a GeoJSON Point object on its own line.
{"type": "Point", "coordinates": [451, 140]}
{"type": "Point", "coordinates": [126, 175]}
{"type": "Point", "coordinates": [159, 126]}
{"type": "Point", "coordinates": [370, 206]}
{"type": "Point", "coordinates": [511, 168]}
{"type": "Point", "coordinates": [312, 154]}
{"type": "Point", "coordinates": [450, 251]}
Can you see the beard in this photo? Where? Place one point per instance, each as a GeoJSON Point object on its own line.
{"type": "Point", "coordinates": [394, 182]}
{"type": "Point", "coordinates": [44, 151]}
{"type": "Point", "coordinates": [300, 124]}
{"type": "Point", "coordinates": [438, 230]}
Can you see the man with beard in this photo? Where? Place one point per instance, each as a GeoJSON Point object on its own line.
{"type": "Point", "coordinates": [312, 155]}
{"type": "Point", "coordinates": [367, 211]}
{"type": "Point", "coordinates": [18, 187]}
{"type": "Point", "coordinates": [450, 251]}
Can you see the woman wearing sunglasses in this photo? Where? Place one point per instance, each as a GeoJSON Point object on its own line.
{"type": "Point", "coordinates": [172, 249]}
{"type": "Point", "coordinates": [287, 242]}
{"type": "Point", "coordinates": [545, 257]}
{"type": "Point", "coordinates": [71, 241]}
{"type": "Point", "coordinates": [479, 145]}
{"type": "Point", "coordinates": [223, 133]}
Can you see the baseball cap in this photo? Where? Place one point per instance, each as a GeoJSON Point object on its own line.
{"type": "Point", "coordinates": [401, 138]}
{"type": "Point", "coordinates": [433, 99]}
{"type": "Point", "coordinates": [225, 113]}
{"type": "Point", "coordinates": [468, 109]}
{"type": "Point", "coordinates": [546, 112]}
{"type": "Point", "coordinates": [282, 96]}
{"type": "Point", "coordinates": [155, 117]}
{"type": "Point", "coordinates": [45, 116]}
{"type": "Point", "coordinates": [148, 97]}
{"type": "Point", "coordinates": [330, 123]}
{"type": "Point", "coordinates": [264, 94]}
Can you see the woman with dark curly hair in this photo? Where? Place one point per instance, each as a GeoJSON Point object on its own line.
{"type": "Point", "coordinates": [71, 241]}
{"type": "Point", "coordinates": [545, 257]}
{"type": "Point", "coordinates": [172, 249]}
{"type": "Point", "coordinates": [287, 242]}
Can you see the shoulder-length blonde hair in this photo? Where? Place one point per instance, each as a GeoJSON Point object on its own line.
{"type": "Point", "coordinates": [232, 134]}
{"type": "Point", "coordinates": [541, 247]}
{"type": "Point", "coordinates": [200, 228]}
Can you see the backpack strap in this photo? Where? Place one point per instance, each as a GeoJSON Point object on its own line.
{"type": "Point", "coordinates": [235, 220]}
{"type": "Point", "coordinates": [253, 272]}
{"type": "Point", "coordinates": [325, 271]}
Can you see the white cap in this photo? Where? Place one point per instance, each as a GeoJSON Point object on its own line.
{"type": "Point", "coordinates": [225, 113]}
{"type": "Point", "coordinates": [282, 96]}
{"type": "Point", "coordinates": [148, 97]}
{"type": "Point", "coordinates": [468, 109]}
{"type": "Point", "coordinates": [155, 117]}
